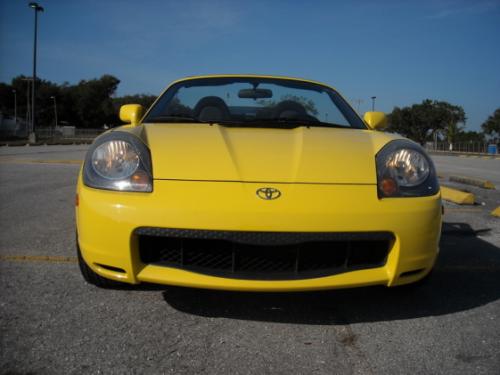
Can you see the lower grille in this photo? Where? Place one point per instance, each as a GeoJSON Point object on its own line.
{"type": "Point", "coordinates": [263, 255]}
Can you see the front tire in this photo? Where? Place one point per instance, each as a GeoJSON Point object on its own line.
{"type": "Point", "coordinates": [93, 278]}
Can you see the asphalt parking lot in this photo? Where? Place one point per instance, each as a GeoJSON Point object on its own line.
{"type": "Point", "coordinates": [52, 322]}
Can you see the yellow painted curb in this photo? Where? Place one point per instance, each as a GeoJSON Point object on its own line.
{"type": "Point", "coordinates": [485, 184]}
{"type": "Point", "coordinates": [460, 209]}
{"type": "Point", "coordinates": [457, 196]}
{"type": "Point", "coordinates": [496, 212]}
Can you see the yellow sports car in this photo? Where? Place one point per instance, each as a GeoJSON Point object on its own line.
{"type": "Point", "coordinates": [255, 183]}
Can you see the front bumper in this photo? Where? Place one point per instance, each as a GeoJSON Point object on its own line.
{"type": "Point", "coordinates": [107, 220]}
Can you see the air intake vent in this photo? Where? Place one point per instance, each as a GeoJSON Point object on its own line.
{"type": "Point", "coordinates": [263, 255]}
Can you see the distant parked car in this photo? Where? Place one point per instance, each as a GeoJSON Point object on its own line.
{"type": "Point", "coordinates": [255, 183]}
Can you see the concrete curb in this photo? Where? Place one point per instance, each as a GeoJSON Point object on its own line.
{"type": "Point", "coordinates": [496, 212]}
{"type": "Point", "coordinates": [8, 160]}
{"type": "Point", "coordinates": [465, 154]}
{"type": "Point", "coordinates": [457, 196]}
{"type": "Point", "coordinates": [485, 184]}
{"type": "Point", "coordinates": [68, 142]}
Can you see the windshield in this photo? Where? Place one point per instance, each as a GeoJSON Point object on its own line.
{"type": "Point", "coordinates": [253, 102]}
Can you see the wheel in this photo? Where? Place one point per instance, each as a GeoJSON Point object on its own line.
{"type": "Point", "coordinates": [93, 278]}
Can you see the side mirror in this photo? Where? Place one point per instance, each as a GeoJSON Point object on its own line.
{"type": "Point", "coordinates": [376, 120]}
{"type": "Point", "coordinates": [131, 113]}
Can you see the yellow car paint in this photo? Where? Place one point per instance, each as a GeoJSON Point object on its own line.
{"type": "Point", "coordinates": [202, 180]}
{"type": "Point", "coordinates": [306, 155]}
{"type": "Point", "coordinates": [375, 120]}
{"type": "Point", "coordinates": [131, 113]}
{"type": "Point", "coordinates": [106, 221]}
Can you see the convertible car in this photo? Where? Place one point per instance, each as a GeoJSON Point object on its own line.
{"type": "Point", "coordinates": [255, 183]}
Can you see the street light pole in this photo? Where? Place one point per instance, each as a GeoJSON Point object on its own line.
{"type": "Point", "coordinates": [28, 108]}
{"type": "Point", "coordinates": [55, 107]}
{"type": "Point", "coordinates": [373, 103]}
{"type": "Point", "coordinates": [37, 8]}
{"type": "Point", "coordinates": [15, 106]}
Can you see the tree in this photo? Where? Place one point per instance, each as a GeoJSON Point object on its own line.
{"type": "Point", "coordinates": [308, 104]}
{"type": "Point", "coordinates": [142, 99]}
{"type": "Point", "coordinates": [93, 102]}
{"type": "Point", "coordinates": [469, 136]}
{"type": "Point", "coordinates": [420, 121]}
{"type": "Point", "coordinates": [45, 106]}
{"type": "Point", "coordinates": [492, 125]}
{"type": "Point", "coordinates": [6, 99]}
{"type": "Point", "coordinates": [454, 120]}
{"type": "Point", "coordinates": [89, 103]}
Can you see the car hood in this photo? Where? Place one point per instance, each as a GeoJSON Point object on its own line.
{"type": "Point", "coordinates": [300, 155]}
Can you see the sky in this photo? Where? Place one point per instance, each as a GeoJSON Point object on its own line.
{"type": "Point", "coordinates": [402, 52]}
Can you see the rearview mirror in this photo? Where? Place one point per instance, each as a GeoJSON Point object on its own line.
{"type": "Point", "coordinates": [376, 120]}
{"type": "Point", "coordinates": [131, 113]}
{"type": "Point", "coordinates": [255, 94]}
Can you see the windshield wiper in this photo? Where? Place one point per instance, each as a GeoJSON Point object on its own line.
{"type": "Point", "coordinates": [263, 122]}
{"type": "Point", "coordinates": [192, 120]}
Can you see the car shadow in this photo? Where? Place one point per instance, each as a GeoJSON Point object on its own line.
{"type": "Point", "coordinates": [467, 275]}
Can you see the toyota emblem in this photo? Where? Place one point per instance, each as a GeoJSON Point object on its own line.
{"type": "Point", "coordinates": [268, 193]}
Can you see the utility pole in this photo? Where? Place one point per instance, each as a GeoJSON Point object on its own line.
{"type": "Point", "coordinates": [32, 137]}
{"type": "Point", "coordinates": [15, 105]}
{"type": "Point", "coordinates": [358, 103]}
{"type": "Point", "coordinates": [373, 103]}
{"type": "Point", "coordinates": [28, 108]}
{"type": "Point", "coordinates": [55, 108]}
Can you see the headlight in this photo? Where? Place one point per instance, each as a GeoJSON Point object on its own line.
{"type": "Point", "coordinates": [118, 161]}
{"type": "Point", "coordinates": [405, 170]}
{"type": "Point", "coordinates": [115, 160]}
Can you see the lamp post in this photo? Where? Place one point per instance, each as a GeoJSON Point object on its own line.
{"type": "Point", "coordinates": [32, 138]}
{"type": "Point", "coordinates": [28, 108]}
{"type": "Point", "coordinates": [373, 103]}
{"type": "Point", "coordinates": [55, 107]}
{"type": "Point", "coordinates": [15, 105]}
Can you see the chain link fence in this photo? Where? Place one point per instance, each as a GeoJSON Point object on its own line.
{"type": "Point", "coordinates": [463, 147]}
{"type": "Point", "coordinates": [17, 130]}
{"type": "Point", "coordinates": [67, 132]}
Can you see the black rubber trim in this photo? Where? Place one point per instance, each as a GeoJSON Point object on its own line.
{"type": "Point", "coordinates": [263, 238]}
